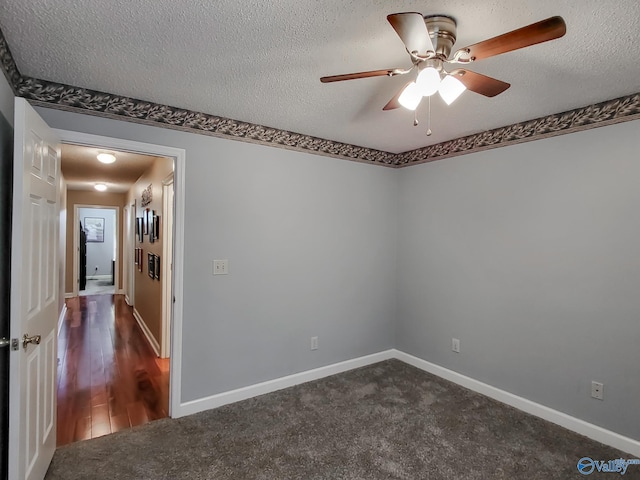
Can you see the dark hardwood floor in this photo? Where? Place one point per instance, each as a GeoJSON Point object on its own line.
{"type": "Point", "coordinates": [109, 378]}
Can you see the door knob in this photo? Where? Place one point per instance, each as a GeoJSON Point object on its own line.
{"type": "Point", "coordinates": [26, 340]}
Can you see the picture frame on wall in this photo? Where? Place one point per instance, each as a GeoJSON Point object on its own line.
{"type": "Point", "coordinates": [152, 228]}
{"type": "Point", "coordinates": [140, 260]}
{"type": "Point", "coordinates": [94, 228]}
{"type": "Point", "coordinates": [156, 268]}
{"type": "Point", "coordinates": [135, 256]}
{"type": "Point", "coordinates": [151, 264]}
{"type": "Point", "coordinates": [145, 222]}
{"type": "Point", "coordinates": [139, 230]}
{"type": "Point", "coordinates": [156, 226]}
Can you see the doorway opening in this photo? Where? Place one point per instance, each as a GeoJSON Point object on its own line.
{"type": "Point", "coordinates": [98, 229]}
{"type": "Point", "coordinates": [115, 343]}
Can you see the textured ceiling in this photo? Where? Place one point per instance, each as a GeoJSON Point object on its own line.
{"type": "Point", "coordinates": [260, 61]}
{"type": "Point", "coordinates": [81, 169]}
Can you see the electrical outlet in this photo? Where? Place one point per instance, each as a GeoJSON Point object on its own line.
{"type": "Point", "coordinates": [314, 343]}
{"type": "Point", "coordinates": [597, 390]}
{"type": "Point", "coordinates": [220, 267]}
{"type": "Point", "coordinates": [455, 345]}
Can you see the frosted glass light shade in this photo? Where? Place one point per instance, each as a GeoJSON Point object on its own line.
{"type": "Point", "coordinates": [106, 157]}
{"type": "Point", "coordinates": [101, 187]}
{"type": "Point", "coordinates": [450, 89]}
{"type": "Point", "coordinates": [428, 80]}
{"type": "Point", "coordinates": [410, 96]}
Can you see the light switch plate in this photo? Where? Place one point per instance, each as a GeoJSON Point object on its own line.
{"type": "Point", "coordinates": [220, 267]}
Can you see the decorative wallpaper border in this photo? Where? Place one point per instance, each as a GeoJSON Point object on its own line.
{"type": "Point", "coordinates": [605, 113]}
{"type": "Point", "coordinates": [9, 66]}
{"type": "Point", "coordinates": [83, 100]}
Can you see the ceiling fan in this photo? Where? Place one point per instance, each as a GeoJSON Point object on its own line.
{"type": "Point", "coordinates": [429, 40]}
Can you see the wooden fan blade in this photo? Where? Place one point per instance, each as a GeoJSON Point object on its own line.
{"type": "Point", "coordinates": [393, 103]}
{"type": "Point", "coordinates": [412, 30]}
{"type": "Point", "coordinates": [353, 76]}
{"type": "Point", "coordinates": [543, 31]}
{"type": "Point", "coordinates": [476, 82]}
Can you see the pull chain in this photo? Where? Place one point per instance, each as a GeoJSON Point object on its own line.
{"type": "Point", "coordinates": [415, 118]}
{"type": "Point", "coordinates": [429, 120]}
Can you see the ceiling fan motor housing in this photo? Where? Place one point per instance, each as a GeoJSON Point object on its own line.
{"type": "Point", "coordinates": [442, 30]}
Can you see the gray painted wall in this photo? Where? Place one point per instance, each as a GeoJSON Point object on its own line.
{"type": "Point", "coordinates": [6, 100]}
{"type": "Point", "coordinates": [311, 249]}
{"type": "Point", "coordinates": [530, 255]}
{"type": "Point", "coordinates": [100, 254]}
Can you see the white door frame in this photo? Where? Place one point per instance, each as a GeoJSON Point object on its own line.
{"type": "Point", "coordinates": [76, 245]}
{"type": "Point", "coordinates": [128, 264]}
{"type": "Point", "coordinates": [179, 156]}
{"type": "Point", "coordinates": [167, 260]}
{"type": "Point", "coordinates": [125, 252]}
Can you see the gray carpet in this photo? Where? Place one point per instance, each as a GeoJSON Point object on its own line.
{"type": "Point", "coordinates": [384, 421]}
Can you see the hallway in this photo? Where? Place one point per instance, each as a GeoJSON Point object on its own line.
{"type": "Point", "coordinates": [109, 378]}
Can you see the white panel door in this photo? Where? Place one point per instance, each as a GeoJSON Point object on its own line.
{"type": "Point", "coordinates": [34, 295]}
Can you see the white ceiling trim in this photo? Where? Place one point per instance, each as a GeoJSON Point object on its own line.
{"type": "Point", "coordinates": [82, 100]}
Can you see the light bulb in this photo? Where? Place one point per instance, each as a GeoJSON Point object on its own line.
{"type": "Point", "coordinates": [428, 81]}
{"type": "Point", "coordinates": [451, 88]}
{"type": "Point", "coordinates": [410, 96]}
{"type": "Point", "coordinates": [106, 157]}
{"type": "Point", "coordinates": [101, 187]}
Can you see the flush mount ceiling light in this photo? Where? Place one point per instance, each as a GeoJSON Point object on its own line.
{"type": "Point", "coordinates": [429, 41]}
{"type": "Point", "coordinates": [106, 157]}
{"type": "Point", "coordinates": [101, 187]}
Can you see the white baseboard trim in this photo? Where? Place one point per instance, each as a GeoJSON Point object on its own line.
{"type": "Point", "coordinates": [574, 424]}
{"type": "Point", "coordinates": [147, 333]}
{"type": "Point", "coordinates": [120, 291]}
{"type": "Point", "coordinates": [63, 312]}
{"type": "Point", "coordinates": [243, 393]}
{"type": "Point", "coordinates": [69, 295]}
{"type": "Point", "coordinates": [590, 430]}
{"type": "Point", "coordinates": [126, 299]}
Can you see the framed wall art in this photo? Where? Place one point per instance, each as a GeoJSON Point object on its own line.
{"type": "Point", "coordinates": [145, 222]}
{"type": "Point", "coordinates": [139, 230]}
{"type": "Point", "coordinates": [156, 267]}
{"type": "Point", "coordinates": [152, 228]}
{"type": "Point", "coordinates": [151, 264]}
{"type": "Point", "coordinates": [147, 195]}
{"type": "Point", "coordinates": [94, 228]}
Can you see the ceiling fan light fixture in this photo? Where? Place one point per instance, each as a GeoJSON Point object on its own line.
{"type": "Point", "coordinates": [410, 96]}
{"type": "Point", "coordinates": [101, 187]}
{"type": "Point", "coordinates": [428, 81]}
{"type": "Point", "coordinates": [450, 89]}
{"type": "Point", "coordinates": [106, 157]}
